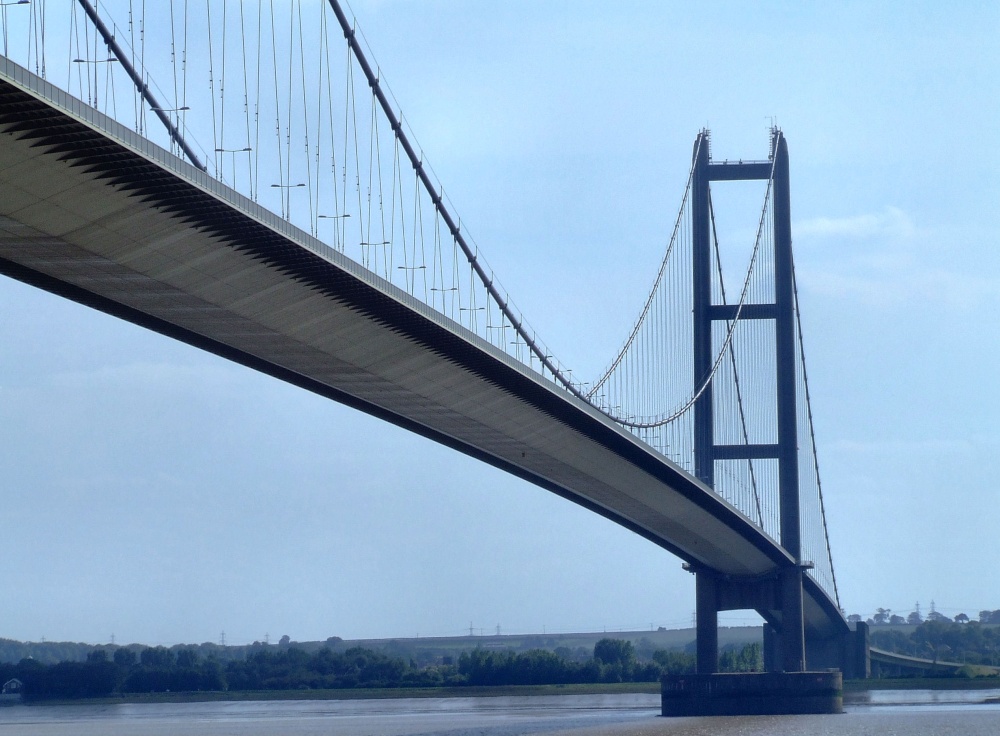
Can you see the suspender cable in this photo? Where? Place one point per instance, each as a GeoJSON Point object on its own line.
{"type": "Point", "coordinates": [143, 88]}
{"type": "Point", "coordinates": [436, 198]}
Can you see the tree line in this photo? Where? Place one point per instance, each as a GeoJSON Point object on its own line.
{"type": "Point", "coordinates": [158, 669]}
{"type": "Point", "coordinates": [884, 616]}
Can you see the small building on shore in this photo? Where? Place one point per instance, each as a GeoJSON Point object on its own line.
{"type": "Point", "coordinates": [11, 692]}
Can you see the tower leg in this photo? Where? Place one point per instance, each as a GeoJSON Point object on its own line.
{"type": "Point", "coordinates": [772, 649]}
{"type": "Point", "coordinates": [707, 617]}
{"type": "Point", "coordinates": [793, 634]}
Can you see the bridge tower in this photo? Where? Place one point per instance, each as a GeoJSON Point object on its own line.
{"type": "Point", "coordinates": [779, 599]}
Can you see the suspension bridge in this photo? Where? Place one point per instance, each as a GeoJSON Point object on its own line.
{"type": "Point", "coordinates": [239, 176]}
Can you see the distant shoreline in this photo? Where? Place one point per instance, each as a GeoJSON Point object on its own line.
{"type": "Point", "coordinates": [615, 688]}
{"type": "Point", "coordinates": [641, 688]}
{"type": "Point", "coordinates": [923, 683]}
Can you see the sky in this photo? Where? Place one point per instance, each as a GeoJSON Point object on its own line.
{"type": "Point", "coordinates": [162, 495]}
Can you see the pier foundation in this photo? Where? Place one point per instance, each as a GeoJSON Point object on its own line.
{"type": "Point", "coordinates": [752, 693]}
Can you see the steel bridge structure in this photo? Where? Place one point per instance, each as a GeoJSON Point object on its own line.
{"type": "Point", "coordinates": [698, 436]}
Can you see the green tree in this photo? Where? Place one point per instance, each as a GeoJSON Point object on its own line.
{"type": "Point", "coordinates": [616, 658]}
{"type": "Point", "coordinates": [156, 657]}
{"type": "Point", "coordinates": [187, 658]}
{"type": "Point", "coordinates": [124, 657]}
{"type": "Point", "coordinates": [749, 658]}
{"type": "Point", "coordinates": [674, 663]}
{"type": "Point", "coordinates": [614, 651]}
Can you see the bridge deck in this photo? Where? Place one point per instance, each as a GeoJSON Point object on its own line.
{"type": "Point", "coordinates": [91, 211]}
{"type": "Point", "coordinates": [924, 665]}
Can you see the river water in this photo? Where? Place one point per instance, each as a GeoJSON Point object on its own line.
{"type": "Point", "coordinates": [886, 713]}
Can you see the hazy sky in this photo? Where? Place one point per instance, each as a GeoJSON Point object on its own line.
{"type": "Point", "coordinates": [163, 495]}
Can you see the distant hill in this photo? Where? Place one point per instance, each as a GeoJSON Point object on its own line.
{"type": "Point", "coordinates": [422, 650]}
{"type": "Point", "coordinates": [645, 642]}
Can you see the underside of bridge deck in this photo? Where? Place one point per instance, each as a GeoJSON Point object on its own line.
{"type": "Point", "coordinates": [92, 212]}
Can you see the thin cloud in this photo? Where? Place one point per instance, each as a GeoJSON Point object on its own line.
{"type": "Point", "coordinates": [893, 223]}
{"type": "Point", "coordinates": [910, 448]}
{"type": "Point", "coordinates": [885, 284]}
{"type": "Point", "coordinates": [886, 259]}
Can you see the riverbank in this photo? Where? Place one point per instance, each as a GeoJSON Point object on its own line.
{"type": "Point", "coordinates": [914, 713]}
{"type": "Point", "coordinates": [619, 688]}
{"type": "Point", "coordinates": [923, 683]}
{"type": "Point", "coordinates": [614, 688]}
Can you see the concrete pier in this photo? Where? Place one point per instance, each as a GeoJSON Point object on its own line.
{"type": "Point", "coordinates": [752, 693]}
